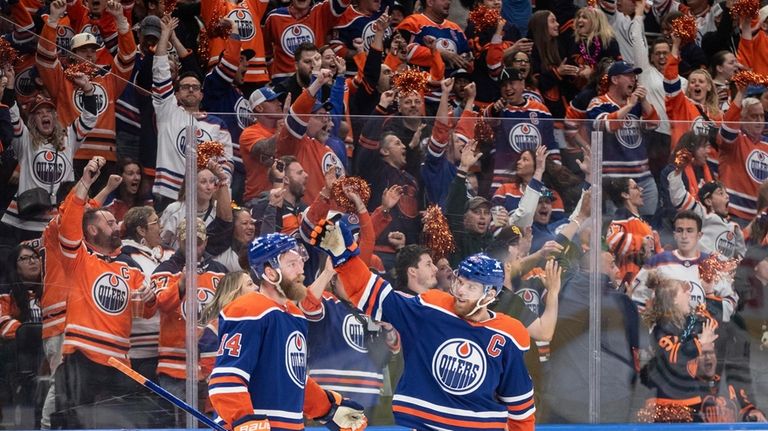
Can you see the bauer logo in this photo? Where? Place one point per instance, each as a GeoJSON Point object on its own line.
{"type": "Point", "coordinates": [354, 333]}
{"type": "Point", "coordinates": [48, 167]}
{"type": "Point", "coordinates": [244, 21]}
{"type": "Point", "coordinates": [295, 35]}
{"type": "Point", "coordinates": [181, 139]}
{"type": "Point", "coordinates": [110, 293]}
{"type": "Point", "coordinates": [629, 133]}
{"type": "Point", "coordinates": [296, 358]}
{"type": "Point", "coordinates": [524, 136]}
{"type": "Point", "coordinates": [459, 366]}
{"type": "Point", "coordinates": [757, 166]}
{"type": "Point", "coordinates": [725, 243]}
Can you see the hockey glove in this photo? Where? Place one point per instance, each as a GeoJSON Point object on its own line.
{"type": "Point", "coordinates": [335, 238]}
{"type": "Point", "coordinates": [344, 415]}
{"type": "Point", "coordinates": [252, 423]}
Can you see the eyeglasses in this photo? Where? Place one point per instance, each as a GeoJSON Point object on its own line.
{"type": "Point", "coordinates": [190, 87]}
{"type": "Point", "coordinates": [30, 258]}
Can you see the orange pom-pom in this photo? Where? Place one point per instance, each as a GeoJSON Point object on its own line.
{"type": "Point", "coordinates": [683, 158]}
{"type": "Point", "coordinates": [209, 150]}
{"type": "Point", "coordinates": [8, 53]}
{"type": "Point", "coordinates": [713, 268]}
{"type": "Point", "coordinates": [410, 80]}
{"type": "Point", "coordinates": [685, 28]}
{"type": "Point", "coordinates": [592, 3]}
{"type": "Point", "coordinates": [484, 18]}
{"type": "Point", "coordinates": [744, 78]}
{"type": "Point", "coordinates": [605, 82]}
{"type": "Point", "coordinates": [88, 69]}
{"type": "Point", "coordinates": [358, 185]}
{"type": "Point", "coordinates": [437, 235]}
{"type": "Point", "coordinates": [745, 8]}
{"type": "Point", "coordinates": [665, 413]}
{"type": "Point", "coordinates": [170, 5]}
{"type": "Point", "coordinates": [483, 132]}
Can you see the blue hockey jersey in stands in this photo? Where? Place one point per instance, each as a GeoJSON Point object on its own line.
{"type": "Point", "coordinates": [459, 375]}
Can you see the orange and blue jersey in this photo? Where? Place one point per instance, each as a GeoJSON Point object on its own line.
{"type": "Point", "coordinates": [261, 365]}
{"type": "Point", "coordinates": [458, 375]}
{"type": "Point", "coordinates": [352, 25]}
{"type": "Point", "coordinates": [624, 152]}
{"type": "Point", "coordinates": [509, 195]}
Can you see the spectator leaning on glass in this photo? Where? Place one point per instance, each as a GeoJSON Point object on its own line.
{"type": "Point", "coordinates": [45, 151]}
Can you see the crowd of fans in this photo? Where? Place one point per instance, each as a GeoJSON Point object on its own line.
{"type": "Point", "coordinates": [303, 93]}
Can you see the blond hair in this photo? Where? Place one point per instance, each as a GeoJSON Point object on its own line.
{"type": "Point", "coordinates": [56, 138]}
{"type": "Point", "coordinates": [662, 307]}
{"type": "Point", "coordinates": [601, 29]}
{"type": "Point", "coordinates": [711, 103]}
{"type": "Point", "coordinates": [230, 288]}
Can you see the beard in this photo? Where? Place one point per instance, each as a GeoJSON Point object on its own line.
{"type": "Point", "coordinates": [294, 289]}
{"type": "Point", "coordinates": [463, 309]}
{"type": "Point", "coordinates": [107, 241]}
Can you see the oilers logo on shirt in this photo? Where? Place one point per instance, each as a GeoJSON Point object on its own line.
{"type": "Point", "coordinates": [531, 298]}
{"type": "Point", "coordinates": [204, 297]}
{"type": "Point", "coordinates": [94, 30]}
{"type": "Point", "coordinates": [629, 133]}
{"type": "Point", "coordinates": [697, 294]}
{"type": "Point", "coordinates": [101, 99]}
{"type": "Point", "coordinates": [725, 243]}
{"type": "Point", "coordinates": [25, 85]}
{"type": "Point", "coordinates": [244, 21]}
{"type": "Point", "coordinates": [110, 293]}
{"type": "Point", "coordinates": [757, 165]}
{"type": "Point", "coordinates": [294, 35]}
{"type": "Point", "coordinates": [446, 45]}
{"type": "Point", "coordinates": [49, 167]}
{"type": "Point", "coordinates": [181, 139]}
{"type": "Point", "coordinates": [459, 366]}
{"type": "Point", "coordinates": [354, 333]}
{"type": "Point", "coordinates": [244, 113]}
{"type": "Point", "coordinates": [331, 161]}
{"type": "Point", "coordinates": [296, 358]}
{"type": "Point", "coordinates": [700, 126]}
{"type": "Point", "coordinates": [64, 35]}
{"type": "Point", "coordinates": [524, 136]}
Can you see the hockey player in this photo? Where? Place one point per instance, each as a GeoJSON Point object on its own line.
{"type": "Point", "coordinates": [260, 378]}
{"type": "Point", "coordinates": [463, 371]}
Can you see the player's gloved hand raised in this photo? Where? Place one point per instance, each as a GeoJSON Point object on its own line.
{"type": "Point", "coordinates": [344, 415]}
{"type": "Point", "coordinates": [252, 423]}
{"type": "Point", "coordinates": [334, 237]}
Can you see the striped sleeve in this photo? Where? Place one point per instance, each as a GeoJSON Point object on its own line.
{"type": "Point", "coordinates": [162, 84]}
{"type": "Point", "coordinates": [516, 387]}
{"type": "Point", "coordinates": [8, 325]}
{"type": "Point", "coordinates": [365, 289]}
{"type": "Point", "coordinates": [47, 60]}
{"type": "Point", "coordinates": [239, 342]}
{"type": "Point", "coordinates": [81, 127]}
{"type": "Point", "coordinates": [71, 229]}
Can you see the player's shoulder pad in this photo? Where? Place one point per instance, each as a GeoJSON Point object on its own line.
{"type": "Point", "coordinates": [251, 306]}
{"type": "Point", "coordinates": [510, 328]}
{"type": "Point", "coordinates": [437, 298]}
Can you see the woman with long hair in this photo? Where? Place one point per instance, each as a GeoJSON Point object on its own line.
{"type": "Point", "coordinates": [679, 336]}
{"type": "Point", "coordinates": [129, 192]}
{"type": "Point", "coordinates": [20, 297]}
{"type": "Point", "coordinates": [698, 109]}
{"type": "Point", "coordinates": [593, 40]}
{"type": "Point", "coordinates": [554, 78]}
{"type": "Point", "coordinates": [45, 152]}
{"type": "Point", "coordinates": [521, 61]}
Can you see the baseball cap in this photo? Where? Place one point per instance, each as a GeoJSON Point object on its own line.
{"type": "Point", "coordinates": [755, 90]}
{"type": "Point", "coordinates": [81, 40]}
{"type": "Point", "coordinates": [509, 235]}
{"type": "Point", "coordinates": [510, 74]}
{"type": "Point", "coordinates": [546, 193]}
{"type": "Point", "coordinates": [461, 73]}
{"type": "Point", "coordinates": [707, 189]}
{"type": "Point", "coordinates": [322, 105]}
{"type": "Point", "coordinates": [263, 94]}
{"type": "Point", "coordinates": [623, 68]}
{"type": "Point", "coordinates": [39, 102]}
{"type": "Point", "coordinates": [151, 26]}
{"type": "Point", "coordinates": [477, 202]}
{"type": "Point", "coordinates": [181, 231]}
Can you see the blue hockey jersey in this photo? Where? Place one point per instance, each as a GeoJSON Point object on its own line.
{"type": "Point", "coordinates": [458, 375]}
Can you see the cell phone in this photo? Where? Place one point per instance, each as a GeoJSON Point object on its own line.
{"type": "Point", "coordinates": [280, 166]}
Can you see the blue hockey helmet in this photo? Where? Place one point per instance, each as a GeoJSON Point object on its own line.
{"type": "Point", "coordinates": [482, 269]}
{"type": "Point", "coordinates": [267, 249]}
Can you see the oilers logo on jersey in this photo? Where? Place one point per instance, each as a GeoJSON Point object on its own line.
{"type": "Point", "coordinates": [369, 33]}
{"type": "Point", "coordinates": [531, 298]}
{"type": "Point", "coordinates": [181, 139]}
{"type": "Point", "coordinates": [25, 85]}
{"type": "Point", "coordinates": [94, 30]}
{"type": "Point", "coordinates": [447, 45]}
{"type": "Point", "coordinates": [101, 99]}
{"type": "Point", "coordinates": [757, 165]}
{"type": "Point", "coordinates": [700, 126]}
{"type": "Point", "coordinates": [49, 167]}
{"type": "Point", "coordinates": [697, 294]}
{"type": "Point", "coordinates": [204, 297]}
{"type": "Point", "coordinates": [459, 366]}
{"type": "Point", "coordinates": [629, 134]}
{"type": "Point", "coordinates": [294, 35]}
{"type": "Point", "coordinates": [296, 358]}
{"type": "Point", "coordinates": [244, 20]}
{"type": "Point", "coordinates": [110, 293]}
{"type": "Point", "coordinates": [524, 137]}
{"type": "Point", "coordinates": [725, 243]}
{"type": "Point", "coordinates": [354, 333]}
{"type": "Point", "coordinates": [244, 113]}
{"type": "Point", "coordinates": [330, 161]}
{"type": "Point", "coordinates": [64, 35]}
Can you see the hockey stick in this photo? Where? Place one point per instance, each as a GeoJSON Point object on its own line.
{"type": "Point", "coordinates": [173, 399]}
